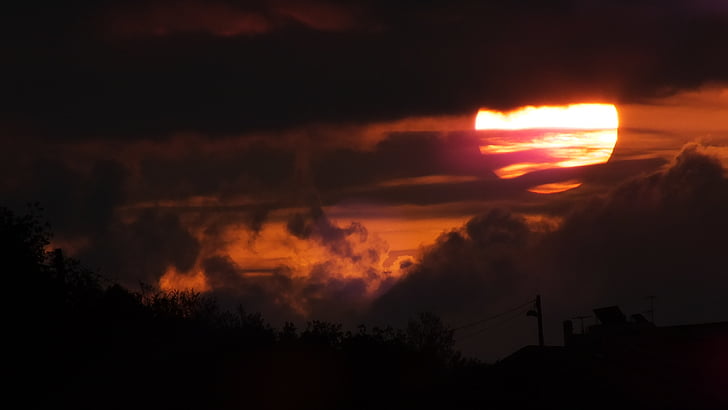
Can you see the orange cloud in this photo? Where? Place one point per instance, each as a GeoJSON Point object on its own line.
{"type": "Point", "coordinates": [175, 280]}
{"type": "Point", "coordinates": [661, 127]}
{"type": "Point", "coordinates": [555, 187]}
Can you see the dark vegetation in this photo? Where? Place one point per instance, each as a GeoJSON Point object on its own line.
{"type": "Point", "coordinates": [76, 340]}
{"type": "Point", "coordinates": [81, 341]}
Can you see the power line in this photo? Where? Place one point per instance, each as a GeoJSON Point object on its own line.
{"type": "Point", "coordinates": [477, 322]}
{"type": "Point", "coordinates": [515, 315]}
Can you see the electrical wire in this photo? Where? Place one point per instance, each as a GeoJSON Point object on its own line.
{"type": "Point", "coordinates": [508, 319]}
{"type": "Point", "coordinates": [478, 322]}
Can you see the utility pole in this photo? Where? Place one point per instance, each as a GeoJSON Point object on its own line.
{"type": "Point", "coordinates": [539, 316]}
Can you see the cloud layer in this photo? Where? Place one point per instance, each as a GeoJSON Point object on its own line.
{"type": "Point", "coordinates": [661, 235]}
{"type": "Point", "coordinates": [246, 148]}
{"type": "Point", "coordinates": [228, 67]}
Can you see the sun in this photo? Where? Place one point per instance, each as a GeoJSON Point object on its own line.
{"type": "Point", "coordinates": [574, 116]}
{"type": "Point", "coordinates": [534, 138]}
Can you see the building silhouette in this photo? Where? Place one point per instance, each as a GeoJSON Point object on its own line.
{"type": "Point", "coordinates": [624, 360]}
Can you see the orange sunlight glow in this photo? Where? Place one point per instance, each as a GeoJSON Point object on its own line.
{"type": "Point", "coordinates": [548, 137]}
{"type": "Point", "coordinates": [555, 187]}
{"type": "Point", "coordinates": [173, 279]}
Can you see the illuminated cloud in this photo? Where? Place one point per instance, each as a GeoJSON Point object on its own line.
{"type": "Point", "coordinates": [555, 187]}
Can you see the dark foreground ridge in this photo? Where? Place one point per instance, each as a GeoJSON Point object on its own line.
{"type": "Point", "coordinates": [77, 341]}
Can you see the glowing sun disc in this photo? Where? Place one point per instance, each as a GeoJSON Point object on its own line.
{"type": "Point", "coordinates": [574, 116]}
{"type": "Point", "coordinates": [540, 138]}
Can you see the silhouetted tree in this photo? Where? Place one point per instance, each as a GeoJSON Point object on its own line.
{"type": "Point", "coordinates": [23, 242]}
{"type": "Point", "coordinates": [88, 342]}
{"type": "Point", "coordinates": [322, 333]}
{"type": "Point", "coordinates": [429, 335]}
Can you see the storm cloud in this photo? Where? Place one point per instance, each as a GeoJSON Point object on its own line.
{"type": "Point", "coordinates": [317, 159]}
{"type": "Point", "coordinates": [660, 234]}
{"type": "Point", "coordinates": [149, 69]}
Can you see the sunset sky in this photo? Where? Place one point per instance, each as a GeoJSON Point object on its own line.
{"type": "Point", "coordinates": [320, 160]}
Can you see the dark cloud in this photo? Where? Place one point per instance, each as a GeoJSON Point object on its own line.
{"type": "Point", "coordinates": [270, 293]}
{"type": "Point", "coordinates": [389, 172]}
{"type": "Point", "coordinates": [360, 61]}
{"type": "Point", "coordinates": [100, 99]}
{"type": "Point", "coordinates": [143, 249]}
{"type": "Point", "coordinates": [467, 274]}
{"type": "Point", "coordinates": [401, 155]}
{"type": "Point", "coordinates": [257, 219]}
{"type": "Point", "coordinates": [257, 169]}
{"type": "Point", "coordinates": [662, 234]}
{"type": "Point", "coordinates": [77, 201]}
{"type": "Point", "coordinates": [340, 241]}
{"type": "Point", "coordinates": [227, 18]}
{"type": "Point", "coordinates": [325, 293]}
{"type": "Point", "coordinates": [173, 18]}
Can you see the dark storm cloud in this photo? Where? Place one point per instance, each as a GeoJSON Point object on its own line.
{"type": "Point", "coordinates": [267, 294]}
{"type": "Point", "coordinates": [401, 155]}
{"type": "Point", "coordinates": [83, 195]}
{"type": "Point", "coordinates": [314, 224]}
{"type": "Point", "coordinates": [472, 272]}
{"type": "Point", "coordinates": [69, 76]}
{"type": "Point", "coordinates": [661, 234]}
{"type": "Point", "coordinates": [143, 249]}
{"type": "Point", "coordinates": [82, 204]}
{"type": "Point", "coordinates": [466, 270]}
{"type": "Point", "coordinates": [256, 169]}
{"type": "Point", "coordinates": [226, 18]}
{"type": "Point", "coordinates": [77, 202]}
{"type": "Point", "coordinates": [99, 79]}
